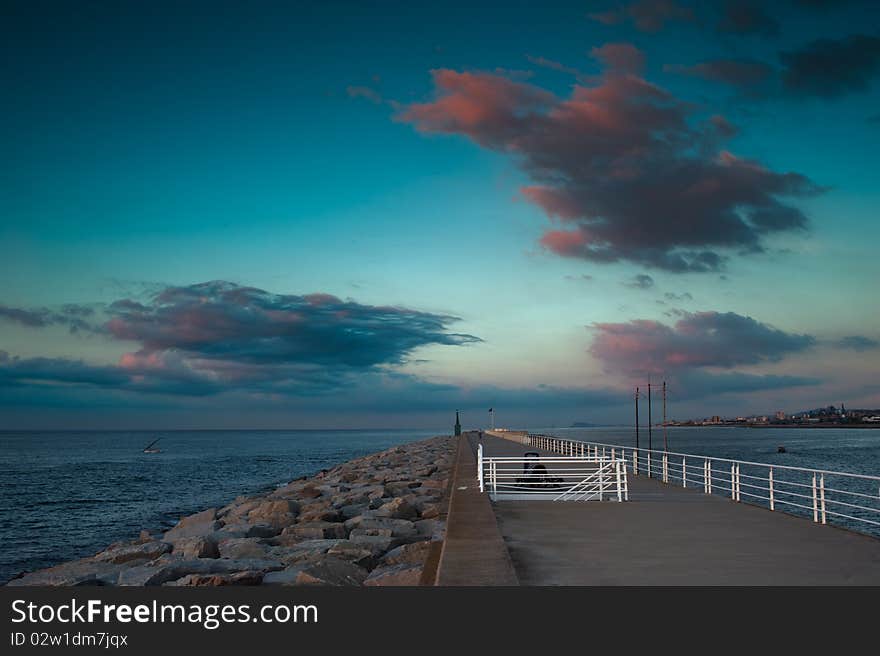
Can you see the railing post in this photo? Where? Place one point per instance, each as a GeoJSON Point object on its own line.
{"type": "Point", "coordinates": [738, 485]}
{"type": "Point", "coordinates": [649, 464]}
{"type": "Point", "coordinates": [601, 480]}
{"type": "Point", "coordinates": [709, 473]}
{"type": "Point", "coordinates": [815, 501]}
{"type": "Point", "coordinates": [772, 499]}
{"type": "Point", "coordinates": [684, 472]}
{"type": "Point", "coordinates": [635, 462]}
{"type": "Point", "coordinates": [613, 452]}
{"type": "Point", "coordinates": [619, 489]}
{"type": "Point", "coordinates": [732, 482]}
{"type": "Point", "coordinates": [480, 465]}
{"type": "Point", "coordinates": [822, 495]}
{"type": "Point", "coordinates": [665, 468]}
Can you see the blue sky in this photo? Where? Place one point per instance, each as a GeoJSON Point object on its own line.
{"type": "Point", "coordinates": [309, 150]}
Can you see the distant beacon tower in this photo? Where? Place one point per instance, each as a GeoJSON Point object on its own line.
{"type": "Point", "coordinates": [457, 424]}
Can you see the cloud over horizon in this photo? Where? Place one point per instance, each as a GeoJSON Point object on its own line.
{"type": "Point", "coordinates": [626, 169]}
{"type": "Point", "coordinates": [218, 336]}
{"type": "Point", "coordinates": [698, 340]}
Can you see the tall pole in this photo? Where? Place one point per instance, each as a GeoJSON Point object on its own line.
{"type": "Point", "coordinates": [650, 428]}
{"type": "Point", "coordinates": [665, 443]}
{"type": "Point", "coordinates": [637, 418]}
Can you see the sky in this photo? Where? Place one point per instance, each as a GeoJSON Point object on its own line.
{"type": "Point", "coordinates": [344, 215]}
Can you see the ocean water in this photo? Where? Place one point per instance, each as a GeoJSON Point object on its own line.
{"type": "Point", "coordinates": [65, 495]}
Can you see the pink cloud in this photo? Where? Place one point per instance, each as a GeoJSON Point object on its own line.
{"type": "Point", "coordinates": [624, 162]}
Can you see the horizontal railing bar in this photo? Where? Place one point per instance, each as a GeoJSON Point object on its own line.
{"type": "Point", "coordinates": [728, 460]}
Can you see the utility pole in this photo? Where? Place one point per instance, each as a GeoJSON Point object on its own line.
{"type": "Point", "coordinates": [637, 418]}
{"type": "Point", "coordinates": [650, 428]}
{"type": "Point", "coordinates": [665, 443]}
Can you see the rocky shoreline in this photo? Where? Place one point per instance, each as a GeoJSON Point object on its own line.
{"type": "Point", "coordinates": [369, 521]}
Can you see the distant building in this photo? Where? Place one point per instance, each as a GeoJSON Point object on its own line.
{"type": "Point", "coordinates": [780, 415]}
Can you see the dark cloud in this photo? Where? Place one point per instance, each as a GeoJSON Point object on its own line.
{"type": "Point", "coordinates": [71, 316]}
{"type": "Point", "coordinates": [696, 341]}
{"type": "Point", "coordinates": [750, 77]}
{"type": "Point", "coordinates": [640, 281]}
{"type": "Point", "coordinates": [686, 296]}
{"type": "Point", "coordinates": [622, 165]}
{"type": "Point", "coordinates": [701, 384]}
{"type": "Point", "coordinates": [858, 343]}
{"type": "Point", "coordinates": [830, 68]}
{"type": "Point", "coordinates": [646, 15]}
{"type": "Point", "coordinates": [585, 277]}
{"type": "Point", "coordinates": [218, 336]}
{"type": "Point", "coordinates": [743, 17]}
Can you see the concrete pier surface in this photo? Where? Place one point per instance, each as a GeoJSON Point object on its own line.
{"type": "Point", "coordinates": [666, 535]}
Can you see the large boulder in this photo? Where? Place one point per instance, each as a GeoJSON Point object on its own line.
{"type": "Point", "coordinates": [197, 525]}
{"type": "Point", "coordinates": [237, 578]}
{"type": "Point", "coordinates": [278, 513]}
{"type": "Point", "coordinates": [86, 571]}
{"type": "Point", "coordinates": [317, 530]}
{"type": "Point", "coordinates": [414, 553]}
{"type": "Point", "coordinates": [332, 571]}
{"type": "Point", "coordinates": [132, 552]}
{"type": "Point", "coordinates": [162, 571]}
{"type": "Point", "coordinates": [237, 548]}
{"type": "Point", "coordinates": [398, 508]}
{"type": "Point", "coordinates": [196, 547]}
{"type": "Point", "coordinates": [396, 575]}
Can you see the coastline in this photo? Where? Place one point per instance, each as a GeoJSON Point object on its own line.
{"type": "Point", "coordinates": [373, 520]}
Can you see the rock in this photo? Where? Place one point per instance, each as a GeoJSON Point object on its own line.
{"type": "Point", "coordinates": [398, 508]}
{"type": "Point", "coordinates": [143, 551]}
{"type": "Point", "coordinates": [280, 513]}
{"type": "Point", "coordinates": [375, 543]}
{"type": "Point", "coordinates": [332, 571]}
{"type": "Point", "coordinates": [309, 492]}
{"type": "Point", "coordinates": [286, 576]}
{"type": "Point", "coordinates": [432, 528]}
{"type": "Point", "coordinates": [400, 528]}
{"type": "Point", "coordinates": [197, 547]}
{"type": "Point", "coordinates": [86, 571]}
{"type": "Point", "coordinates": [414, 553]}
{"type": "Point", "coordinates": [398, 575]}
{"type": "Point", "coordinates": [430, 511]}
{"type": "Point", "coordinates": [317, 530]}
{"type": "Point", "coordinates": [160, 572]}
{"type": "Point", "coordinates": [196, 525]}
{"type": "Point", "coordinates": [236, 548]}
{"type": "Point", "coordinates": [380, 532]}
{"type": "Point", "coordinates": [144, 537]}
{"type": "Point", "coordinates": [352, 510]}
{"type": "Point", "coordinates": [353, 552]}
{"type": "Point", "coordinates": [238, 578]}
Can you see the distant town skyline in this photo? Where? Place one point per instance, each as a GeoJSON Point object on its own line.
{"type": "Point", "coordinates": [360, 216]}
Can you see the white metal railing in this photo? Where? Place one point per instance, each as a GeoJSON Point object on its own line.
{"type": "Point", "coordinates": [828, 497]}
{"type": "Point", "coordinates": [564, 478]}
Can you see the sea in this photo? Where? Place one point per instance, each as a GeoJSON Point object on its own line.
{"type": "Point", "coordinates": [69, 494]}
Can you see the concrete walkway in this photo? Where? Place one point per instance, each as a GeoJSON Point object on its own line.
{"type": "Point", "coordinates": [667, 535]}
{"type": "Point", "coordinates": [473, 552]}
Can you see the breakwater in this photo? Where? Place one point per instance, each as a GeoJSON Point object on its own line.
{"type": "Point", "coordinates": [376, 520]}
